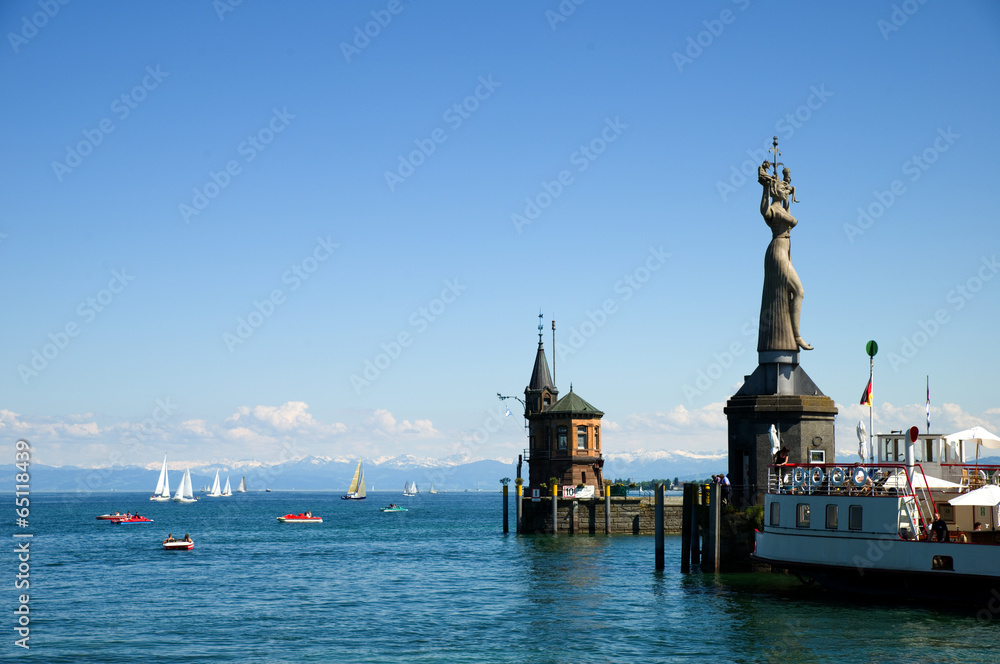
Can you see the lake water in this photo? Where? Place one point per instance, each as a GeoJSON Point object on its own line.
{"type": "Point", "coordinates": [439, 583]}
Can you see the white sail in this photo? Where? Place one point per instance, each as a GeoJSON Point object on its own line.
{"type": "Point", "coordinates": [216, 491]}
{"type": "Point", "coordinates": [432, 489]}
{"type": "Point", "coordinates": [361, 484]}
{"type": "Point", "coordinates": [242, 488]}
{"type": "Point", "coordinates": [162, 491]}
{"type": "Point", "coordinates": [410, 489]}
{"type": "Point", "coordinates": [185, 493]}
{"type": "Point", "coordinates": [227, 491]}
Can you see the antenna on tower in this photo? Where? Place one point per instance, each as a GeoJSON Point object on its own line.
{"type": "Point", "coordinates": [540, 328]}
{"type": "Point", "coordinates": [554, 353]}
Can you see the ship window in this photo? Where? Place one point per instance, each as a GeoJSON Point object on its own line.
{"type": "Point", "coordinates": [562, 434]}
{"type": "Point", "coordinates": [854, 517]}
{"type": "Point", "coordinates": [802, 515]}
{"type": "Point", "coordinates": [943, 562]}
{"type": "Point", "coordinates": [775, 514]}
{"type": "Point", "coordinates": [832, 512]}
{"type": "Point", "coordinates": [581, 438]}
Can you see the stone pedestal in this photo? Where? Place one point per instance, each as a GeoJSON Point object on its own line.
{"type": "Point", "coordinates": [778, 392]}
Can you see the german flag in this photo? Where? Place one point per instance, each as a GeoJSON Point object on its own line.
{"type": "Point", "coordinates": [866, 396]}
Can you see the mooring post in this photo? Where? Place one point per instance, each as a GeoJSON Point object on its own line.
{"type": "Point", "coordinates": [607, 510]}
{"type": "Point", "coordinates": [555, 508]}
{"type": "Point", "coordinates": [710, 561]}
{"type": "Point", "coordinates": [686, 513]}
{"type": "Point", "coordinates": [696, 525]}
{"type": "Point", "coordinates": [658, 517]}
{"type": "Point", "coordinates": [506, 528]}
{"type": "Point", "coordinates": [520, 494]}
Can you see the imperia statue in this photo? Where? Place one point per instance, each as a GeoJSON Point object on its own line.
{"type": "Point", "coordinates": [781, 302]}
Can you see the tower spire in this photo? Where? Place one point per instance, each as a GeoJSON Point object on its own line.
{"type": "Point", "coordinates": [540, 328]}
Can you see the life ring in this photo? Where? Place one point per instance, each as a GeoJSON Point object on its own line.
{"type": "Point", "coordinates": [983, 476]}
{"type": "Point", "coordinates": [816, 476]}
{"type": "Point", "coordinates": [859, 476]}
{"type": "Point", "coordinates": [996, 477]}
{"type": "Point", "coordinates": [837, 477]}
{"type": "Point", "coordinates": [798, 476]}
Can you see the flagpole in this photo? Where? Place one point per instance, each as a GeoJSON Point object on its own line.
{"type": "Point", "coordinates": [871, 404]}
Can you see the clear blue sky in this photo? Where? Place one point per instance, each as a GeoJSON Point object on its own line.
{"type": "Point", "coordinates": [172, 168]}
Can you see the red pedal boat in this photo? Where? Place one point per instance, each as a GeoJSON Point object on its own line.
{"type": "Point", "coordinates": [300, 518]}
{"type": "Point", "coordinates": [131, 519]}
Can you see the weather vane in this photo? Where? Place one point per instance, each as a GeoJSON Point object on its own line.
{"type": "Point", "coordinates": [776, 152]}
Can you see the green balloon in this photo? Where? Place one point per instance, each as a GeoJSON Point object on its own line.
{"type": "Point", "coordinates": [871, 348]}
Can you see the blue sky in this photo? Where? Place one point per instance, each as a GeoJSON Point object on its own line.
{"type": "Point", "coordinates": [217, 217]}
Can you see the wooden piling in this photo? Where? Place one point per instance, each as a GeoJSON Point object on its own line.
{"type": "Point", "coordinates": [607, 510]}
{"type": "Point", "coordinates": [686, 514]}
{"type": "Point", "coordinates": [658, 524]}
{"type": "Point", "coordinates": [506, 528]}
{"type": "Point", "coordinates": [696, 526]}
{"type": "Point", "coordinates": [555, 508]}
{"type": "Point", "coordinates": [710, 559]}
{"type": "Point", "coordinates": [519, 525]}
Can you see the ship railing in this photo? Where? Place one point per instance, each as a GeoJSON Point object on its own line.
{"type": "Point", "coordinates": [884, 479]}
{"type": "Point", "coordinates": [971, 475]}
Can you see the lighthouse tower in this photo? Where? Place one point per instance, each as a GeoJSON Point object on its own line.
{"type": "Point", "coordinates": [564, 435]}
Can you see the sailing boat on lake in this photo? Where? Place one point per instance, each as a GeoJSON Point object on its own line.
{"type": "Point", "coordinates": [357, 489]}
{"type": "Point", "coordinates": [162, 491]}
{"type": "Point", "coordinates": [410, 489]}
{"type": "Point", "coordinates": [216, 491]}
{"type": "Point", "coordinates": [228, 491]}
{"type": "Point", "coordinates": [185, 493]}
{"type": "Point", "coordinates": [432, 489]}
{"type": "Point", "coordinates": [242, 488]}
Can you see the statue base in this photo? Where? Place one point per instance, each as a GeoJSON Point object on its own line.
{"type": "Point", "coordinates": [782, 394]}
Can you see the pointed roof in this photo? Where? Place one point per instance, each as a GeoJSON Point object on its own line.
{"type": "Point", "coordinates": [573, 403]}
{"type": "Point", "coordinates": [540, 376]}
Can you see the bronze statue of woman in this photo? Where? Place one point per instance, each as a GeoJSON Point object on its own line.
{"type": "Point", "coordinates": [781, 302]}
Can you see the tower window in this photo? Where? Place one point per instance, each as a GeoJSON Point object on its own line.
{"type": "Point", "coordinates": [597, 438]}
{"type": "Point", "coordinates": [562, 434]}
{"type": "Point", "coordinates": [548, 400]}
{"type": "Point", "coordinates": [581, 438]}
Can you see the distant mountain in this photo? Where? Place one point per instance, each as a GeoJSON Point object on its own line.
{"type": "Point", "coordinates": [306, 474]}
{"type": "Point", "coordinates": [317, 473]}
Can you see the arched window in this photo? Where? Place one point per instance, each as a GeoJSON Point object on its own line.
{"type": "Point", "coordinates": [562, 434]}
{"type": "Point", "coordinates": [581, 438]}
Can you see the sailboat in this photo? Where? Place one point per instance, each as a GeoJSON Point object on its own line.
{"type": "Point", "coordinates": [185, 493]}
{"type": "Point", "coordinates": [432, 489]}
{"type": "Point", "coordinates": [216, 491]}
{"type": "Point", "coordinates": [410, 489]}
{"type": "Point", "coordinates": [242, 488]}
{"type": "Point", "coordinates": [162, 491]}
{"type": "Point", "coordinates": [228, 490]}
{"type": "Point", "coordinates": [357, 489]}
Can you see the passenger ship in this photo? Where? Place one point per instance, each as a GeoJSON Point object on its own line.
{"type": "Point", "coordinates": [865, 528]}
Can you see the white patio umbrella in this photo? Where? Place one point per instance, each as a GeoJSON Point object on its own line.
{"type": "Point", "coordinates": [978, 435]}
{"type": "Point", "coordinates": [862, 441]}
{"type": "Point", "coordinates": [898, 480]}
{"type": "Point", "coordinates": [984, 496]}
{"type": "Point", "coordinates": [772, 435]}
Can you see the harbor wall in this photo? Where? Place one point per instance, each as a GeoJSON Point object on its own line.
{"type": "Point", "coordinates": [629, 516]}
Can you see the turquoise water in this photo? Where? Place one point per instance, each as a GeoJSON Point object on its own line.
{"type": "Point", "coordinates": [439, 583]}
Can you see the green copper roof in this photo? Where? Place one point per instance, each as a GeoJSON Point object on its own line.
{"type": "Point", "coordinates": [573, 403]}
